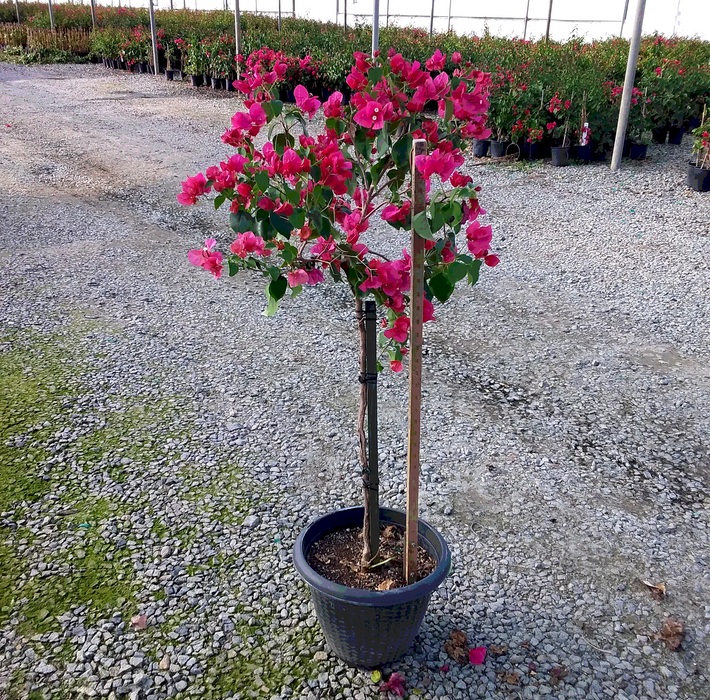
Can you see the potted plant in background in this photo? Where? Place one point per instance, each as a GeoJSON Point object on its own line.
{"type": "Point", "coordinates": [639, 125]}
{"type": "Point", "coordinates": [667, 85]}
{"type": "Point", "coordinates": [558, 129]}
{"type": "Point", "coordinates": [299, 207]}
{"type": "Point", "coordinates": [699, 166]}
{"type": "Point", "coordinates": [194, 61]}
{"type": "Point", "coordinates": [503, 111]}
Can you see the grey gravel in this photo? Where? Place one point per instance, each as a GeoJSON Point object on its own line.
{"type": "Point", "coordinates": [565, 450]}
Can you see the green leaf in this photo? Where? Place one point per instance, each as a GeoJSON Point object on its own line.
{"type": "Point", "coordinates": [441, 286]}
{"type": "Point", "coordinates": [421, 226]}
{"type": "Point", "coordinates": [383, 141]}
{"type": "Point", "coordinates": [449, 111]}
{"type": "Point", "coordinates": [401, 150]}
{"type": "Point", "coordinates": [437, 217]}
{"type": "Point", "coordinates": [298, 218]}
{"type": "Point", "coordinates": [262, 180]}
{"type": "Point", "coordinates": [289, 253]}
{"type": "Point", "coordinates": [282, 225]}
{"type": "Point", "coordinates": [276, 107]}
{"type": "Point", "coordinates": [473, 270]}
{"type": "Point", "coordinates": [364, 148]}
{"type": "Point", "coordinates": [275, 272]}
{"type": "Point", "coordinates": [272, 307]}
{"type": "Point", "coordinates": [457, 271]}
{"type": "Point", "coordinates": [315, 173]}
{"type": "Point", "coordinates": [241, 221]}
{"type": "Point", "coordinates": [374, 75]}
{"type": "Point", "coordinates": [277, 287]}
{"type": "Point", "coordinates": [219, 201]}
{"type": "Point", "coordinates": [376, 676]}
{"type": "Point", "coordinates": [233, 268]}
{"type": "Point", "coordinates": [295, 291]}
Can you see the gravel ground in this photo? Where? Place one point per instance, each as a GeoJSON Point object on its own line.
{"type": "Point", "coordinates": [166, 442]}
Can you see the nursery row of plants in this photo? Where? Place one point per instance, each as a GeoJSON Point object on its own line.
{"type": "Point", "coordinates": [540, 93]}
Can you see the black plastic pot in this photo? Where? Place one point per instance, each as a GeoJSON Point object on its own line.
{"type": "Point", "coordinates": [206, 79]}
{"type": "Point", "coordinates": [560, 156]}
{"type": "Point", "coordinates": [693, 123]}
{"type": "Point", "coordinates": [142, 67]}
{"type": "Point", "coordinates": [196, 80]}
{"type": "Point", "coordinates": [216, 83]}
{"type": "Point", "coordinates": [637, 151]}
{"type": "Point", "coordinates": [480, 147]}
{"type": "Point", "coordinates": [168, 74]}
{"type": "Point", "coordinates": [698, 178]}
{"type": "Point", "coordinates": [498, 148]}
{"type": "Point", "coordinates": [229, 84]}
{"type": "Point", "coordinates": [675, 135]}
{"type": "Point", "coordinates": [177, 74]}
{"type": "Point", "coordinates": [529, 150]}
{"type": "Point", "coordinates": [660, 134]}
{"type": "Point", "coordinates": [583, 153]}
{"type": "Point", "coordinates": [369, 628]}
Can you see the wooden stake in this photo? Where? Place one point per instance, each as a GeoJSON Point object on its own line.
{"type": "Point", "coordinates": [411, 540]}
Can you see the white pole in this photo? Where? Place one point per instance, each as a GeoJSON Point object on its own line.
{"type": "Point", "coordinates": [677, 20]}
{"type": "Point", "coordinates": [448, 19]}
{"type": "Point", "coordinates": [93, 13]}
{"type": "Point", "coordinates": [527, 15]}
{"type": "Point", "coordinates": [279, 15]}
{"type": "Point", "coordinates": [628, 87]}
{"type": "Point", "coordinates": [623, 18]}
{"type": "Point", "coordinates": [431, 21]}
{"type": "Point", "coordinates": [51, 14]}
{"type": "Point", "coordinates": [375, 26]}
{"type": "Point", "coordinates": [337, 10]}
{"type": "Point", "coordinates": [153, 37]}
{"type": "Point", "coordinates": [17, 9]}
{"type": "Point", "coordinates": [387, 20]}
{"type": "Point", "coordinates": [237, 29]}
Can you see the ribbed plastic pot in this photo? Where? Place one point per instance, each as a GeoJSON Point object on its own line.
{"type": "Point", "coordinates": [638, 151]}
{"type": "Point", "coordinates": [559, 155]}
{"type": "Point", "coordinates": [659, 134]}
{"type": "Point", "coordinates": [675, 135]}
{"type": "Point", "coordinates": [498, 148]}
{"type": "Point", "coordinates": [366, 628]}
{"type": "Point", "coordinates": [480, 147]}
{"type": "Point", "coordinates": [699, 179]}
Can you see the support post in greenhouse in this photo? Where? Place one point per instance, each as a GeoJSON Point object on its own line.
{"type": "Point", "coordinates": [628, 87]}
{"type": "Point", "coordinates": [51, 14]}
{"type": "Point", "coordinates": [448, 18]}
{"type": "Point", "coordinates": [337, 11]}
{"type": "Point", "coordinates": [375, 26]}
{"type": "Point", "coordinates": [293, 9]}
{"type": "Point", "coordinates": [431, 19]}
{"type": "Point", "coordinates": [345, 19]}
{"type": "Point", "coordinates": [154, 38]}
{"type": "Point", "coordinates": [17, 9]}
{"type": "Point", "coordinates": [237, 29]}
{"type": "Point", "coordinates": [387, 15]}
{"type": "Point", "coordinates": [623, 18]}
{"type": "Point", "coordinates": [93, 13]}
{"type": "Point", "coordinates": [527, 18]}
{"type": "Point", "coordinates": [279, 15]}
{"type": "Point", "coordinates": [411, 536]}
{"type": "Point", "coordinates": [549, 20]}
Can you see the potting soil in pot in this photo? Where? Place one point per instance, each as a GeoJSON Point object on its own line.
{"type": "Point", "coordinates": [336, 556]}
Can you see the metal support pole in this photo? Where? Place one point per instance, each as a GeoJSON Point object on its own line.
{"type": "Point", "coordinates": [375, 26]}
{"type": "Point", "coordinates": [293, 9]}
{"type": "Point", "coordinates": [676, 22]}
{"type": "Point", "coordinates": [279, 15]}
{"type": "Point", "coordinates": [411, 536]}
{"type": "Point", "coordinates": [527, 17]}
{"type": "Point", "coordinates": [448, 19]}
{"type": "Point", "coordinates": [345, 19]}
{"type": "Point", "coordinates": [93, 13]}
{"type": "Point", "coordinates": [337, 10]}
{"type": "Point", "coordinates": [17, 9]}
{"type": "Point", "coordinates": [628, 87]}
{"type": "Point", "coordinates": [373, 477]}
{"type": "Point", "coordinates": [623, 18]}
{"type": "Point", "coordinates": [549, 19]}
{"type": "Point", "coordinates": [431, 20]}
{"type": "Point", "coordinates": [237, 29]}
{"type": "Point", "coordinates": [51, 14]}
{"type": "Point", "coordinates": [154, 37]}
{"type": "Point", "coordinates": [387, 14]}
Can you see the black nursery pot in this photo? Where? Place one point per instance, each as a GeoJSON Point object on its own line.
{"type": "Point", "coordinates": [560, 156]}
{"type": "Point", "coordinates": [229, 84]}
{"type": "Point", "coordinates": [142, 67]}
{"type": "Point", "coordinates": [168, 74]}
{"type": "Point", "coordinates": [196, 80]}
{"type": "Point", "coordinates": [480, 147]}
{"type": "Point", "coordinates": [369, 628]}
{"type": "Point", "coordinates": [584, 153]}
{"type": "Point", "coordinates": [530, 151]}
{"type": "Point", "coordinates": [675, 135]}
{"type": "Point", "coordinates": [637, 151]}
{"type": "Point", "coordinates": [498, 148]}
{"type": "Point", "coordinates": [698, 178]}
{"type": "Point", "coordinates": [660, 134]}
{"type": "Point", "coordinates": [216, 83]}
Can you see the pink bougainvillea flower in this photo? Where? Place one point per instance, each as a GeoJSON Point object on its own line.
{"type": "Point", "coordinates": [247, 243]}
{"type": "Point", "coordinates": [192, 188]}
{"type": "Point", "coordinates": [395, 683]}
{"type": "Point", "coordinates": [334, 105]}
{"type": "Point", "coordinates": [491, 260]}
{"type": "Point", "coordinates": [477, 656]}
{"type": "Point", "coordinates": [456, 57]}
{"type": "Point", "coordinates": [297, 277]}
{"type": "Point", "coordinates": [436, 62]}
{"type": "Point", "coordinates": [400, 330]}
{"type": "Point", "coordinates": [428, 311]}
{"type": "Point", "coordinates": [207, 258]}
{"type": "Point", "coordinates": [374, 114]}
{"type": "Point", "coordinates": [479, 238]}
{"type": "Point", "coordinates": [305, 101]}
{"type": "Point", "coordinates": [314, 277]}
{"type": "Point", "coordinates": [445, 667]}
{"type": "Point", "coordinates": [396, 366]}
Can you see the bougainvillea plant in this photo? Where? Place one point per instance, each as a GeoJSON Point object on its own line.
{"type": "Point", "coordinates": [301, 205]}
